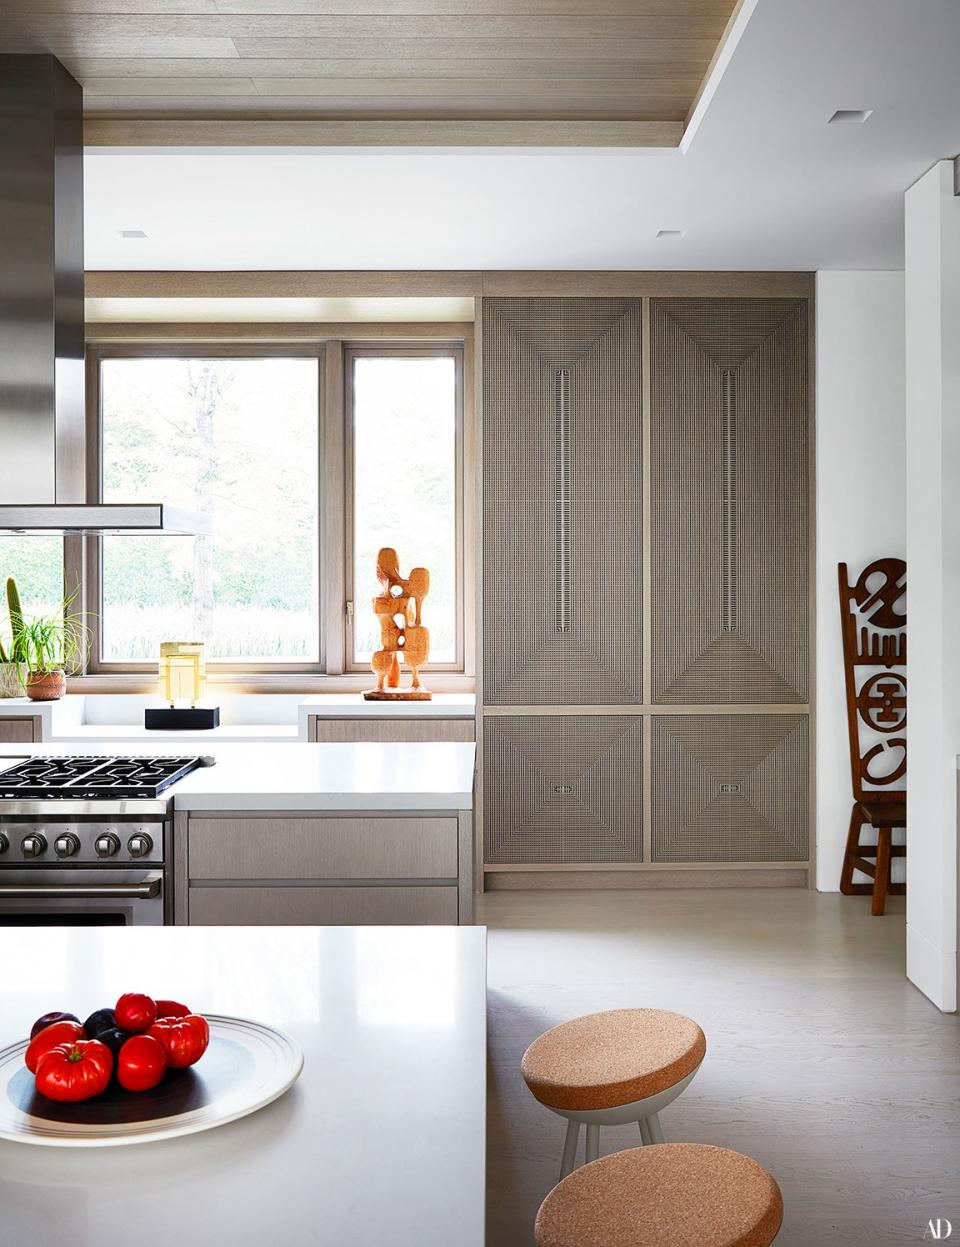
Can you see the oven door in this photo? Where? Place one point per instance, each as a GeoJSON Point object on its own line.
{"type": "Point", "coordinates": [89, 898]}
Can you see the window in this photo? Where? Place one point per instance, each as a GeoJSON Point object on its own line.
{"type": "Point", "coordinates": [405, 416]}
{"type": "Point", "coordinates": [237, 440]}
{"type": "Point", "coordinates": [300, 498]}
{"type": "Point", "coordinates": [36, 563]}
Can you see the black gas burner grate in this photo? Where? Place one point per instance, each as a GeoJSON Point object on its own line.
{"type": "Point", "coordinates": [92, 777]}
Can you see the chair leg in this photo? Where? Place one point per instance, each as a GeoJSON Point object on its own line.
{"type": "Point", "coordinates": [645, 1131]}
{"type": "Point", "coordinates": [570, 1149]}
{"type": "Point", "coordinates": [852, 849]}
{"type": "Point", "coordinates": [653, 1125]}
{"type": "Point", "coordinates": [593, 1143]}
{"type": "Point", "coordinates": [881, 880]}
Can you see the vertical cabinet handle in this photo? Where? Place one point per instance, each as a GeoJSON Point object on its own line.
{"type": "Point", "coordinates": [562, 497]}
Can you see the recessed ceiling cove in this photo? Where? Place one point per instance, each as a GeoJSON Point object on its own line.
{"type": "Point", "coordinates": [456, 72]}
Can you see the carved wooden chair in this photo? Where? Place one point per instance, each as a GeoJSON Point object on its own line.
{"type": "Point", "coordinates": [873, 621]}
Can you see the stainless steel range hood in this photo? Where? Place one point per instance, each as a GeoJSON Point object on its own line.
{"type": "Point", "coordinates": [43, 469]}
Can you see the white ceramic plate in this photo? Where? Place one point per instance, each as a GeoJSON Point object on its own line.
{"type": "Point", "coordinates": [247, 1066]}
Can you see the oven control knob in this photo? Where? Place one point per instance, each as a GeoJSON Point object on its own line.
{"type": "Point", "coordinates": [33, 845]}
{"type": "Point", "coordinates": [107, 844]}
{"type": "Point", "coordinates": [140, 845]}
{"type": "Point", "coordinates": [66, 845]}
{"type": "Point", "coordinates": [4, 843]}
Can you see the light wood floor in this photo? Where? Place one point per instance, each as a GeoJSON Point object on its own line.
{"type": "Point", "coordinates": [823, 1062]}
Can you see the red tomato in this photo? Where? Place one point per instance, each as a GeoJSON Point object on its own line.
{"type": "Point", "coordinates": [49, 1037]}
{"type": "Point", "coordinates": [200, 1022]}
{"type": "Point", "coordinates": [135, 1012]}
{"type": "Point", "coordinates": [184, 1039]}
{"type": "Point", "coordinates": [74, 1071]}
{"type": "Point", "coordinates": [171, 1009]}
{"type": "Point", "coordinates": [141, 1064]}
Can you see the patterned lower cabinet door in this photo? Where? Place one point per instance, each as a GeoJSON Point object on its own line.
{"type": "Point", "coordinates": [730, 788]}
{"type": "Point", "coordinates": [562, 788]}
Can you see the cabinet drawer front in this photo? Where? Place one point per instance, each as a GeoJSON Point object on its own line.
{"type": "Point", "coordinates": [16, 731]}
{"type": "Point", "coordinates": [307, 906]}
{"type": "Point", "coordinates": [323, 848]}
{"type": "Point", "coordinates": [379, 730]}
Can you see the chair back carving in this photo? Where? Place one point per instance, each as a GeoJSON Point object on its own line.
{"type": "Point", "coordinates": [873, 617]}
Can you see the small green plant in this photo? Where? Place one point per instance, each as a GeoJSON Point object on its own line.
{"type": "Point", "coordinates": [51, 642]}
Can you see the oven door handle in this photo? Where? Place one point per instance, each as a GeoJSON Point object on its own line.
{"type": "Point", "coordinates": [145, 891]}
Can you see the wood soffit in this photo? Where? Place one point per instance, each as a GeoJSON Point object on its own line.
{"type": "Point", "coordinates": [623, 73]}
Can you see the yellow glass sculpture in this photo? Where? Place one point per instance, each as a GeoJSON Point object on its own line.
{"type": "Point", "coordinates": [183, 673]}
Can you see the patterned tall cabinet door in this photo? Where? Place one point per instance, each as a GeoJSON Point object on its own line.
{"type": "Point", "coordinates": [562, 506]}
{"type": "Point", "coordinates": [729, 494]}
{"type": "Point", "coordinates": [695, 750]}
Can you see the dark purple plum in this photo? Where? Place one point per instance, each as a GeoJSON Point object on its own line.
{"type": "Point", "coordinates": [102, 1020]}
{"type": "Point", "coordinates": [48, 1019]}
{"type": "Point", "coordinates": [114, 1039]}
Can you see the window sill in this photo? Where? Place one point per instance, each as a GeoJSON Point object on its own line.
{"type": "Point", "coordinates": [249, 682]}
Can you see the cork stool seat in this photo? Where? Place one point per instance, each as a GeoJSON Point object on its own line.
{"type": "Point", "coordinates": [672, 1195]}
{"type": "Point", "coordinates": [624, 1065]}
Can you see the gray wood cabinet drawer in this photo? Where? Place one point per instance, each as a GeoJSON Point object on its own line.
{"type": "Point", "coordinates": [330, 906]}
{"type": "Point", "coordinates": [388, 730]}
{"type": "Point", "coordinates": [19, 731]}
{"type": "Point", "coordinates": [323, 848]}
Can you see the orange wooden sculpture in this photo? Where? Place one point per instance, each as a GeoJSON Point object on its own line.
{"type": "Point", "coordinates": [403, 638]}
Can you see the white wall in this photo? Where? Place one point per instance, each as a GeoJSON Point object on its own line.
{"type": "Point", "coordinates": [860, 501]}
{"type": "Point", "coordinates": [932, 261]}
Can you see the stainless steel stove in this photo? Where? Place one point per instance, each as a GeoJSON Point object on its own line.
{"type": "Point", "coordinates": [87, 840]}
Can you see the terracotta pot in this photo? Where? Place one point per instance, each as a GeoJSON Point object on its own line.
{"type": "Point", "coordinates": [12, 676]}
{"type": "Point", "coordinates": [46, 685]}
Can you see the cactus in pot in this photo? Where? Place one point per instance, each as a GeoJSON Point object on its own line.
{"type": "Point", "coordinates": [11, 663]}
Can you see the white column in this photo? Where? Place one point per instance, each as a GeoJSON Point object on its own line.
{"type": "Point", "coordinates": [933, 579]}
{"type": "Point", "coordinates": [860, 505]}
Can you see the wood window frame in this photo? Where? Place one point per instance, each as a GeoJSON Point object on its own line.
{"type": "Point", "coordinates": [333, 671]}
{"type": "Point", "coordinates": [386, 350]}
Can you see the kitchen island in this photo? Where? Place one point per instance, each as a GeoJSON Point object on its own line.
{"type": "Point", "coordinates": [313, 834]}
{"type": "Point", "coordinates": [381, 1140]}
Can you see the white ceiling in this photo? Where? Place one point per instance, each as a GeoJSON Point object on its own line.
{"type": "Point", "coordinates": [766, 183]}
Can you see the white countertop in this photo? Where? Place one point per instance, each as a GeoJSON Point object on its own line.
{"type": "Point", "coordinates": [261, 718]}
{"type": "Point", "coordinates": [381, 1140]}
{"type": "Point", "coordinates": [354, 706]}
{"type": "Point", "coordinates": [428, 776]}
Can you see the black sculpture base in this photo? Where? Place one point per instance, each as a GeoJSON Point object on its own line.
{"type": "Point", "coordinates": [176, 719]}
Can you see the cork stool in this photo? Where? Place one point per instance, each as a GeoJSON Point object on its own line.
{"type": "Point", "coordinates": [606, 1069]}
{"type": "Point", "coordinates": [673, 1195]}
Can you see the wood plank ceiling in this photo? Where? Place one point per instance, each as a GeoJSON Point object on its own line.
{"type": "Point", "coordinates": [609, 71]}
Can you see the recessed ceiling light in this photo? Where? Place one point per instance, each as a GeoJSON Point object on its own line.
{"type": "Point", "coordinates": [132, 233]}
{"type": "Point", "coordinates": [670, 233]}
{"type": "Point", "coordinates": [853, 116]}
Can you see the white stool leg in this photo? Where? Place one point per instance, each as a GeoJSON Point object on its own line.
{"type": "Point", "coordinates": [593, 1143]}
{"type": "Point", "coordinates": [645, 1132]}
{"type": "Point", "coordinates": [653, 1125]}
{"type": "Point", "coordinates": [570, 1149]}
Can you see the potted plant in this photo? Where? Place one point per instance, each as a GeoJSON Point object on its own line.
{"type": "Point", "coordinates": [49, 645]}
{"type": "Point", "coordinates": [11, 661]}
